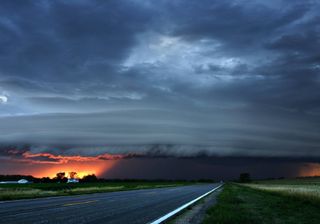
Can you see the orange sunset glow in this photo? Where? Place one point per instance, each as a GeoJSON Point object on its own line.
{"type": "Point", "coordinates": [310, 169]}
{"type": "Point", "coordinates": [48, 164]}
{"type": "Point", "coordinates": [81, 168]}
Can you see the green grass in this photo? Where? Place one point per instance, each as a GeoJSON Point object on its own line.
{"type": "Point", "coordinates": [242, 204]}
{"type": "Point", "coordinates": [18, 191]}
{"type": "Point", "coordinates": [299, 191]}
{"type": "Point", "coordinates": [301, 188]}
{"type": "Point", "coordinates": [293, 181]}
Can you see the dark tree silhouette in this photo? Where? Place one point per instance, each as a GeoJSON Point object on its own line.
{"type": "Point", "coordinates": [73, 175]}
{"type": "Point", "coordinates": [17, 177]}
{"type": "Point", "coordinates": [46, 180]}
{"type": "Point", "coordinates": [89, 178]}
{"type": "Point", "coordinates": [244, 178]}
{"type": "Point", "coordinates": [61, 177]}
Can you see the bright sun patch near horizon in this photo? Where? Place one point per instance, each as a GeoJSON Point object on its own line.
{"type": "Point", "coordinates": [81, 168]}
{"type": "Point", "coordinates": [3, 99]}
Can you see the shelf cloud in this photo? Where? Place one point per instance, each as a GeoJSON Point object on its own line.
{"type": "Point", "coordinates": [161, 78]}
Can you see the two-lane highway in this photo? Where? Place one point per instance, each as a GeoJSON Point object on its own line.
{"type": "Point", "coordinates": [137, 206]}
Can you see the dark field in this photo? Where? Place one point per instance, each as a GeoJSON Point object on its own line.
{"type": "Point", "coordinates": [293, 181]}
{"type": "Point", "coordinates": [249, 204]}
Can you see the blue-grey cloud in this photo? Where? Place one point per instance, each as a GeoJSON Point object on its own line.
{"type": "Point", "coordinates": [161, 78]}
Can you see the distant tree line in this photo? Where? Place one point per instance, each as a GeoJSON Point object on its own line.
{"type": "Point", "coordinates": [91, 178]}
{"type": "Point", "coordinates": [244, 178]}
{"type": "Point", "coordinates": [17, 177]}
{"type": "Point", "coordinates": [59, 178]}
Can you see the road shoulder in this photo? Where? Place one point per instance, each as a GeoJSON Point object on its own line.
{"type": "Point", "coordinates": [196, 213]}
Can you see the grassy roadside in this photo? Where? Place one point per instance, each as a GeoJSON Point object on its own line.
{"type": "Point", "coordinates": [243, 204]}
{"type": "Point", "coordinates": [302, 192]}
{"type": "Point", "coordinates": [292, 181]}
{"type": "Point", "coordinates": [300, 188]}
{"type": "Point", "coordinates": [18, 191]}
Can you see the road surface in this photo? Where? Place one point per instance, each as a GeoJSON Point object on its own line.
{"type": "Point", "coordinates": [137, 206]}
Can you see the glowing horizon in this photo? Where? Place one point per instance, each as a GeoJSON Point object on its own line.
{"type": "Point", "coordinates": [48, 164]}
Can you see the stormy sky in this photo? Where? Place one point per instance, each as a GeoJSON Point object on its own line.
{"type": "Point", "coordinates": [169, 78]}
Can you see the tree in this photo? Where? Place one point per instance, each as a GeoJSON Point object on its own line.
{"type": "Point", "coordinates": [46, 180]}
{"type": "Point", "coordinates": [244, 178]}
{"type": "Point", "coordinates": [61, 177]}
{"type": "Point", "coordinates": [89, 178]}
{"type": "Point", "coordinates": [73, 175]}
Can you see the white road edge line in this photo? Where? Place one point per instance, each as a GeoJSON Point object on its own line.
{"type": "Point", "coordinates": [174, 212]}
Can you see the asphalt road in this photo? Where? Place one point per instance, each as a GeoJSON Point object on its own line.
{"type": "Point", "coordinates": [125, 207]}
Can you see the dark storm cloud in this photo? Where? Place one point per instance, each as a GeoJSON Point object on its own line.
{"type": "Point", "coordinates": [217, 168]}
{"type": "Point", "coordinates": [161, 78]}
{"type": "Point", "coordinates": [67, 41]}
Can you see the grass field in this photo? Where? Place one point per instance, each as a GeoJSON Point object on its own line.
{"type": "Point", "coordinates": [302, 188]}
{"type": "Point", "coordinates": [293, 181]}
{"type": "Point", "coordinates": [19, 191]}
{"type": "Point", "coordinates": [265, 202]}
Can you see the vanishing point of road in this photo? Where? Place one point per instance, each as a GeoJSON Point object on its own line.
{"type": "Point", "coordinates": [136, 206]}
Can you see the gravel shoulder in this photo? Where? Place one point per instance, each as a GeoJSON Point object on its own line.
{"type": "Point", "coordinates": [196, 213]}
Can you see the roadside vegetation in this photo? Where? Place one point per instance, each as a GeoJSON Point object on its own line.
{"type": "Point", "coordinates": [307, 188]}
{"type": "Point", "coordinates": [274, 201]}
{"type": "Point", "coordinates": [293, 181]}
{"type": "Point", "coordinates": [59, 185]}
{"type": "Point", "coordinates": [36, 190]}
